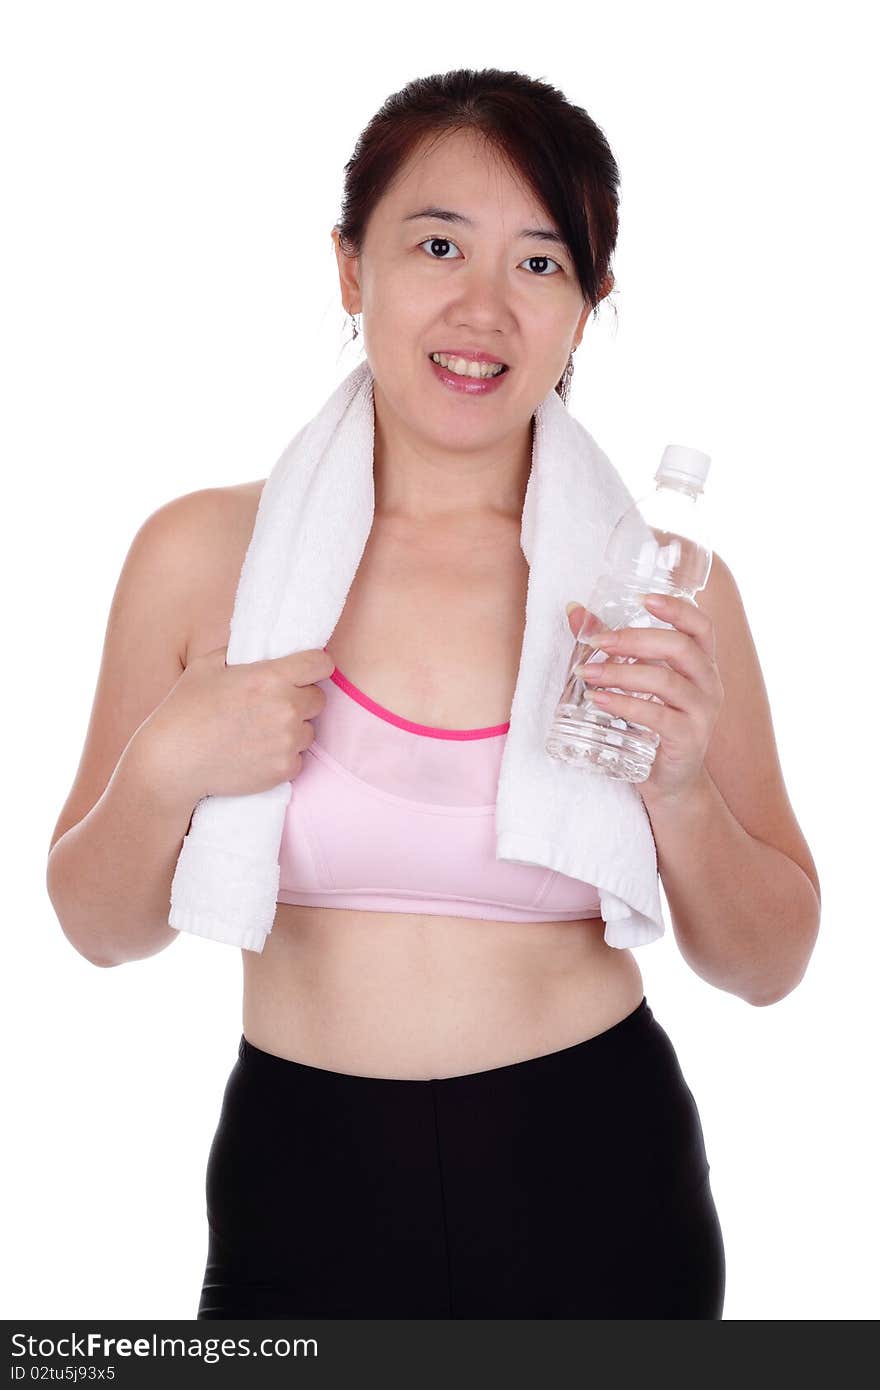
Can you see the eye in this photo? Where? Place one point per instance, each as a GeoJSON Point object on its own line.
{"type": "Point", "coordinates": [433, 241]}
{"type": "Point", "coordinates": [547, 260]}
{"type": "Point", "coordinates": [445, 242]}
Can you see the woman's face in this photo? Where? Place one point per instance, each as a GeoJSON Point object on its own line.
{"type": "Point", "coordinates": [427, 284]}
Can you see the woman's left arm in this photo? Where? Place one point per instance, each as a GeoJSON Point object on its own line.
{"type": "Point", "coordinates": [739, 878]}
{"type": "Point", "coordinates": [745, 914]}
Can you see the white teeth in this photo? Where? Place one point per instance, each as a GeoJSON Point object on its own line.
{"type": "Point", "coordinates": [464, 367]}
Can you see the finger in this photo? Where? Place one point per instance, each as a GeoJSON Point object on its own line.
{"type": "Point", "coordinates": [581, 621]}
{"type": "Point", "coordinates": [677, 648]}
{"type": "Point", "coordinates": [651, 714]}
{"type": "Point", "coordinates": [674, 690]}
{"type": "Point", "coordinates": [308, 666]}
{"type": "Point", "coordinates": [686, 617]}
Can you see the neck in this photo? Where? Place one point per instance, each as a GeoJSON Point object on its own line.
{"type": "Point", "coordinates": [418, 483]}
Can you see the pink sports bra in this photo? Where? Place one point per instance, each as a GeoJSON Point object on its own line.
{"type": "Point", "coordinates": [391, 816]}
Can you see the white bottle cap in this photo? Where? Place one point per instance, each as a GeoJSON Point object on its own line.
{"type": "Point", "coordinates": [688, 465]}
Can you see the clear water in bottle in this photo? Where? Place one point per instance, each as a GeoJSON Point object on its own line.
{"type": "Point", "coordinates": [658, 546]}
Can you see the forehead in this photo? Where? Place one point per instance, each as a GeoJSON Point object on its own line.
{"type": "Point", "coordinates": [460, 171]}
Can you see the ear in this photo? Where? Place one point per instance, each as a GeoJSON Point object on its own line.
{"type": "Point", "coordinates": [349, 276]}
{"type": "Point", "coordinates": [581, 324]}
{"type": "Point", "coordinates": [606, 287]}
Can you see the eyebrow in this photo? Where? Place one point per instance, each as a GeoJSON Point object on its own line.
{"type": "Point", "coordinates": [445, 215]}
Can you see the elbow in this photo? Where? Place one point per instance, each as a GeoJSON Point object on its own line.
{"type": "Point", "coordinates": [88, 953]}
{"type": "Point", "coordinates": [101, 964]}
{"type": "Point", "coordinates": [93, 957]}
{"type": "Point", "coordinates": [762, 1001]}
{"type": "Point", "coordinates": [781, 991]}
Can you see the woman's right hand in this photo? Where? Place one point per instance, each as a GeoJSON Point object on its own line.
{"type": "Point", "coordinates": [232, 730]}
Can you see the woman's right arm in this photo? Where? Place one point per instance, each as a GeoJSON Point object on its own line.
{"type": "Point", "coordinates": [114, 849]}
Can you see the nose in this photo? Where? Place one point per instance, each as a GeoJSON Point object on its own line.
{"type": "Point", "coordinates": [483, 301]}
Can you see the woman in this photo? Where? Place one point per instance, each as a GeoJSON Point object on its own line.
{"type": "Point", "coordinates": [470, 1112]}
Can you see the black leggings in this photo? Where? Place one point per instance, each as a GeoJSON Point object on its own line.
{"type": "Point", "coordinates": [571, 1185]}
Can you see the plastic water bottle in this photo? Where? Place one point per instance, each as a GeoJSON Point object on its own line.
{"type": "Point", "coordinates": [658, 546]}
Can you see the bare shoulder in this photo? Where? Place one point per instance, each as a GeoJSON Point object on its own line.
{"type": "Point", "coordinates": [742, 758]}
{"type": "Point", "coordinates": [235, 505]}
{"type": "Point", "coordinates": [213, 527]}
{"type": "Point", "coordinates": [174, 581]}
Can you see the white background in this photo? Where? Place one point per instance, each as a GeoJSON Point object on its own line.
{"type": "Point", "coordinates": [172, 317]}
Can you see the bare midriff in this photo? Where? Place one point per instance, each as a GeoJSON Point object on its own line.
{"type": "Point", "coordinates": [398, 995]}
{"type": "Point", "coordinates": [403, 995]}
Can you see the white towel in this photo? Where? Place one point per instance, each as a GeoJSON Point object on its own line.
{"type": "Point", "coordinates": [312, 524]}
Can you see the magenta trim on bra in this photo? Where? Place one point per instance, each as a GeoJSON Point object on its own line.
{"type": "Point", "coordinates": [425, 729]}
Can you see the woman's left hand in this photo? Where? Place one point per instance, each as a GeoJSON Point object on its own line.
{"type": "Point", "coordinates": [689, 687]}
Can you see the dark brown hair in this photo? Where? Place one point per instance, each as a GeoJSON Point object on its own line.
{"type": "Point", "coordinates": [555, 146]}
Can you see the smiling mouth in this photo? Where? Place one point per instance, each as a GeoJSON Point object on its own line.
{"type": "Point", "coordinates": [467, 368]}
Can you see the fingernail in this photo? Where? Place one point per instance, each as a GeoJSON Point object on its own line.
{"type": "Point", "coordinates": [570, 607]}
